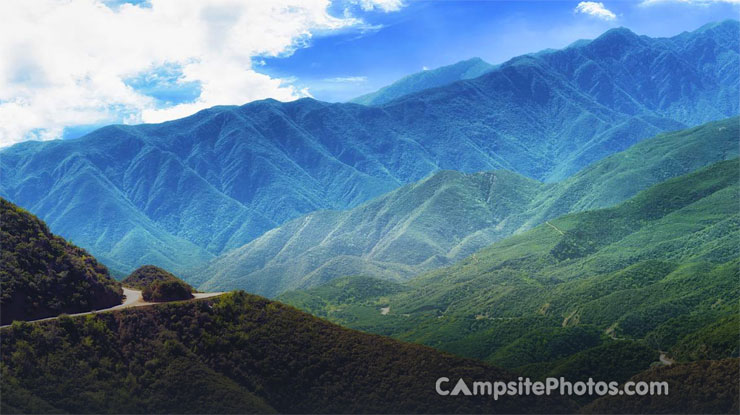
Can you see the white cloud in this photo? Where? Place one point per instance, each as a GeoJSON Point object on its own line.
{"type": "Point", "coordinates": [384, 5]}
{"type": "Point", "coordinates": [64, 63]}
{"type": "Point", "coordinates": [595, 9]}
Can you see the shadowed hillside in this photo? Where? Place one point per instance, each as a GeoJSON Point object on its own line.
{"type": "Point", "coordinates": [42, 275]}
{"type": "Point", "coordinates": [237, 353]}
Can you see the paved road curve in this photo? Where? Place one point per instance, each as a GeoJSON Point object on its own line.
{"type": "Point", "coordinates": [133, 299]}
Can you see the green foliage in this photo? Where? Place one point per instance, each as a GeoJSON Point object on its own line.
{"type": "Point", "coordinates": [661, 267]}
{"type": "Point", "coordinates": [546, 345]}
{"type": "Point", "coordinates": [612, 361]}
{"type": "Point", "coordinates": [715, 341]}
{"type": "Point", "coordinates": [167, 291]}
{"type": "Point", "coordinates": [704, 387]}
{"type": "Point", "coordinates": [43, 275]}
{"type": "Point", "coordinates": [157, 284]}
{"type": "Point", "coordinates": [233, 353]}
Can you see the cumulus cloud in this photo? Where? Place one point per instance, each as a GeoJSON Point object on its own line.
{"type": "Point", "coordinates": [595, 9]}
{"type": "Point", "coordinates": [65, 63]}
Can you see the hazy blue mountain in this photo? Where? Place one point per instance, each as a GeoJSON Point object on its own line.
{"type": "Point", "coordinates": [467, 69]}
{"type": "Point", "coordinates": [450, 215]}
{"type": "Point", "coordinates": [177, 193]}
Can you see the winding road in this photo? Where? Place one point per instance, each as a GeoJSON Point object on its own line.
{"type": "Point", "coordinates": [133, 298]}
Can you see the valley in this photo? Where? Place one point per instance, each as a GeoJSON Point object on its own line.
{"type": "Point", "coordinates": [571, 213]}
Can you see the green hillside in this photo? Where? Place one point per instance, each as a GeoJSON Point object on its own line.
{"type": "Point", "coordinates": [157, 284]}
{"type": "Point", "coordinates": [658, 269]}
{"type": "Point", "coordinates": [237, 353]}
{"type": "Point", "coordinates": [450, 215]}
{"type": "Point", "coordinates": [43, 275]}
{"type": "Point", "coordinates": [706, 387]}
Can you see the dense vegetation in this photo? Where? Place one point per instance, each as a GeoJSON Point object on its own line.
{"type": "Point", "coordinates": [657, 272]}
{"type": "Point", "coordinates": [451, 215]}
{"type": "Point", "coordinates": [705, 387]}
{"type": "Point", "coordinates": [236, 353]}
{"type": "Point", "coordinates": [157, 284]}
{"type": "Point", "coordinates": [180, 193]}
{"type": "Point", "coordinates": [42, 275]}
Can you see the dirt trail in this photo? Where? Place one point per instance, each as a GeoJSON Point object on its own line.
{"type": "Point", "coordinates": [133, 299]}
{"type": "Point", "coordinates": [555, 227]}
{"type": "Point", "coordinates": [666, 360]}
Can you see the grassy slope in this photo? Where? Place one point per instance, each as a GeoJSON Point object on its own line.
{"type": "Point", "coordinates": [450, 215]}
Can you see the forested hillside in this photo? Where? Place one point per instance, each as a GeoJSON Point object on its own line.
{"type": "Point", "coordinates": [43, 275]}
{"type": "Point", "coordinates": [238, 353]}
{"type": "Point", "coordinates": [660, 269]}
{"type": "Point", "coordinates": [157, 284]}
{"type": "Point", "coordinates": [450, 215]}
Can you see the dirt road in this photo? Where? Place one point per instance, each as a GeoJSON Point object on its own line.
{"type": "Point", "coordinates": [133, 299]}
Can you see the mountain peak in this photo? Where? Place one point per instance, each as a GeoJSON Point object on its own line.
{"type": "Point", "coordinates": [614, 43]}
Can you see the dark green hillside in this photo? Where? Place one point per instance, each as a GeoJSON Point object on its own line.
{"type": "Point", "coordinates": [661, 268]}
{"type": "Point", "coordinates": [705, 387]}
{"type": "Point", "coordinates": [42, 275]}
{"type": "Point", "coordinates": [157, 284]}
{"type": "Point", "coordinates": [451, 215]}
{"type": "Point", "coordinates": [236, 353]}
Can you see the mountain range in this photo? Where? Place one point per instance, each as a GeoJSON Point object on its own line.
{"type": "Point", "coordinates": [180, 193]}
{"type": "Point", "coordinates": [432, 78]}
{"type": "Point", "coordinates": [235, 353]}
{"type": "Point", "coordinates": [450, 215]}
{"type": "Point", "coordinates": [657, 272]}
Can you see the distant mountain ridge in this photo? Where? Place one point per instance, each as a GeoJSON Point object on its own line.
{"type": "Point", "coordinates": [179, 193]}
{"type": "Point", "coordinates": [450, 215]}
{"type": "Point", "coordinates": [431, 78]}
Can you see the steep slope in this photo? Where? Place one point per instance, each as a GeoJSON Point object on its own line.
{"type": "Point", "coordinates": [237, 353]}
{"type": "Point", "coordinates": [467, 69]}
{"type": "Point", "coordinates": [451, 215]}
{"type": "Point", "coordinates": [177, 193]}
{"type": "Point", "coordinates": [42, 275]}
{"type": "Point", "coordinates": [661, 267]}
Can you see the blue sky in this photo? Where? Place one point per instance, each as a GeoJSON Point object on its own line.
{"type": "Point", "coordinates": [435, 33]}
{"type": "Point", "coordinates": [133, 61]}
